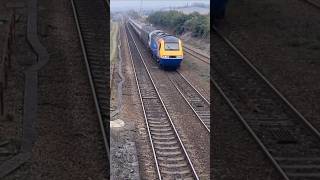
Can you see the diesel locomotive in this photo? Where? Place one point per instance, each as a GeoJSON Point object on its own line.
{"type": "Point", "coordinates": [166, 49]}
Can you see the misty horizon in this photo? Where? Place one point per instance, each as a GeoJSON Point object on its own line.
{"type": "Point", "coordinates": [125, 5]}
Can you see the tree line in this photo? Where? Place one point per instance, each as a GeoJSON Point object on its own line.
{"type": "Point", "coordinates": [196, 23]}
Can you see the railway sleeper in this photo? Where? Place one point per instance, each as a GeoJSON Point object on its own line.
{"type": "Point", "coordinates": [162, 133]}
{"type": "Point", "coordinates": [175, 159]}
{"type": "Point", "coordinates": [182, 172]}
{"type": "Point", "coordinates": [163, 138]}
{"type": "Point", "coordinates": [298, 160]}
{"type": "Point", "coordinates": [175, 165]}
{"type": "Point", "coordinates": [97, 68]}
{"type": "Point", "coordinates": [98, 63]}
{"type": "Point", "coordinates": [168, 153]}
{"type": "Point", "coordinates": [306, 175]}
{"type": "Point", "coordinates": [165, 143]}
{"type": "Point", "coordinates": [160, 129]}
{"type": "Point", "coordinates": [167, 148]}
{"type": "Point", "coordinates": [99, 76]}
{"type": "Point", "coordinates": [203, 115]}
{"type": "Point", "coordinates": [100, 80]}
{"type": "Point", "coordinates": [162, 118]}
{"type": "Point", "coordinates": [158, 121]}
{"type": "Point", "coordinates": [100, 85]}
{"type": "Point", "coordinates": [194, 100]}
{"type": "Point", "coordinates": [158, 125]}
{"type": "Point", "coordinates": [155, 114]}
{"type": "Point", "coordinates": [306, 168]}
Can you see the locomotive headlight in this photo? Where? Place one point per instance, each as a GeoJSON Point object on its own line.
{"type": "Point", "coordinates": [165, 56]}
{"type": "Point", "coordinates": [180, 57]}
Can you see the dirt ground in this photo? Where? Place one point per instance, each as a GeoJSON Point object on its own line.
{"type": "Point", "coordinates": [67, 118]}
{"type": "Point", "coordinates": [68, 144]}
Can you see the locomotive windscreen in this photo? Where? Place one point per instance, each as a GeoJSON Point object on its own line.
{"type": "Point", "coordinates": [171, 46]}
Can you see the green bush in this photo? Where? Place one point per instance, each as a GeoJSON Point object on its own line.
{"type": "Point", "coordinates": [196, 23]}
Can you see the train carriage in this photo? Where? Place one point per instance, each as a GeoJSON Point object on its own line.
{"type": "Point", "coordinates": [166, 49]}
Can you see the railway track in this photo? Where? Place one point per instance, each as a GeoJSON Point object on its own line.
{"type": "Point", "coordinates": [171, 159]}
{"type": "Point", "coordinates": [290, 142]}
{"type": "Point", "coordinates": [199, 105]}
{"type": "Point", "coordinates": [202, 57]}
{"type": "Point", "coordinates": [92, 23]}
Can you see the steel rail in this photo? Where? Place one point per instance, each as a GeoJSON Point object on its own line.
{"type": "Point", "coordinates": [194, 111]}
{"type": "Point", "coordinates": [197, 55]}
{"type": "Point", "coordinates": [105, 140]}
{"type": "Point", "coordinates": [166, 111]}
{"type": "Point", "coordinates": [193, 87]}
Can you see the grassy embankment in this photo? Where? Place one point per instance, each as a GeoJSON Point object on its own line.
{"type": "Point", "coordinates": [113, 42]}
{"type": "Point", "coordinates": [113, 59]}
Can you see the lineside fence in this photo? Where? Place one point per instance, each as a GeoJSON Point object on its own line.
{"type": "Point", "coordinates": [5, 59]}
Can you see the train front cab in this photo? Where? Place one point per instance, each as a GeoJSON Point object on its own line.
{"type": "Point", "coordinates": [170, 53]}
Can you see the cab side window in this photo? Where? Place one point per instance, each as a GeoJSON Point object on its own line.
{"type": "Point", "coordinates": [159, 46]}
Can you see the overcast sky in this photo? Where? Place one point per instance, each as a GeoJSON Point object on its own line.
{"type": "Point", "coordinates": [123, 5]}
